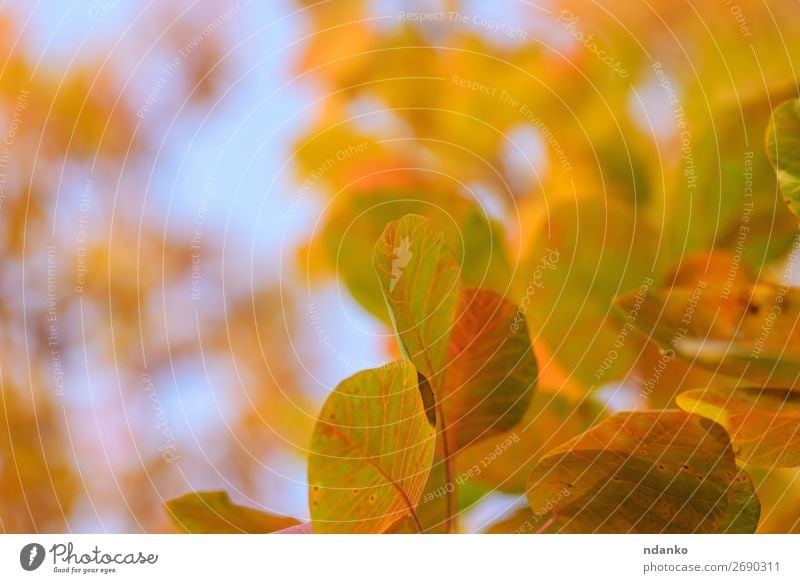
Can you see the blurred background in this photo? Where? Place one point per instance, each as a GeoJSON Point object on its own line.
{"type": "Point", "coordinates": [190, 192]}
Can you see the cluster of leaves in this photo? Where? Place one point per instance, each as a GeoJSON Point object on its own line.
{"type": "Point", "coordinates": [387, 436]}
{"type": "Point", "coordinates": [385, 453]}
{"type": "Point", "coordinates": [590, 230]}
{"type": "Point", "coordinates": [441, 150]}
{"type": "Point", "coordinates": [619, 212]}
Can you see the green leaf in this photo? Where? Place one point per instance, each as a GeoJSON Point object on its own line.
{"type": "Point", "coordinates": [764, 425]}
{"type": "Point", "coordinates": [419, 276]}
{"type": "Point", "coordinates": [654, 472]}
{"type": "Point", "coordinates": [472, 345]}
{"type": "Point", "coordinates": [744, 510]}
{"type": "Point", "coordinates": [751, 333]}
{"type": "Point", "coordinates": [783, 149]}
{"type": "Point", "coordinates": [371, 452]}
{"type": "Point", "coordinates": [214, 513]}
{"type": "Point", "coordinates": [742, 514]}
{"type": "Point", "coordinates": [481, 254]}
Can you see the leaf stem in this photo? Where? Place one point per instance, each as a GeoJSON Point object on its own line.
{"type": "Point", "coordinates": [417, 523]}
{"type": "Point", "coordinates": [450, 493]}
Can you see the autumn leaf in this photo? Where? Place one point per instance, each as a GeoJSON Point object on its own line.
{"type": "Point", "coordinates": [419, 276]}
{"type": "Point", "coordinates": [481, 254]}
{"type": "Point", "coordinates": [783, 149]}
{"type": "Point", "coordinates": [744, 510]}
{"type": "Point", "coordinates": [371, 452]}
{"type": "Point", "coordinates": [653, 472]}
{"type": "Point", "coordinates": [750, 333]}
{"type": "Point", "coordinates": [491, 370]}
{"type": "Point", "coordinates": [471, 346]}
{"type": "Point", "coordinates": [214, 513]}
{"type": "Point", "coordinates": [764, 425]}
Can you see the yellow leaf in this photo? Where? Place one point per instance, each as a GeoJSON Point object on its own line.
{"type": "Point", "coordinates": [371, 452]}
